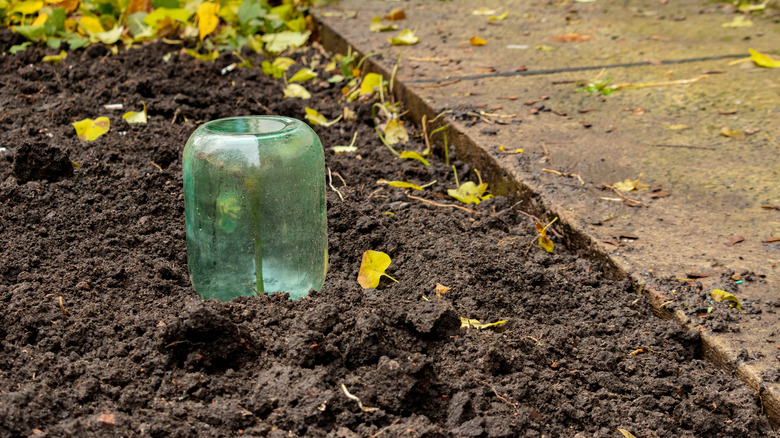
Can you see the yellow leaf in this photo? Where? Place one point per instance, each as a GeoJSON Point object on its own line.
{"type": "Point", "coordinates": [55, 59]}
{"type": "Point", "coordinates": [395, 133]}
{"type": "Point", "coordinates": [629, 185]}
{"type": "Point", "coordinates": [27, 7]}
{"type": "Point", "coordinates": [546, 243]}
{"type": "Point", "coordinates": [401, 184]}
{"type": "Point", "coordinates": [89, 129]}
{"type": "Point", "coordinates": [728, 132]}
{"type": "Point", "coordinates": [738, 21]}
{"type": "Point", "coordinates": [677, 127]}
{"type": "Point", "coordinates": [371, 81]}
{"type": "Point", "coordinates": [134, 116]}
{"type": "Point", "coordinates": [377, 26]}
{"type": "Point", "coordinates": [40, 19]}
{"type": "Point", "coordinates": [763, 60]}
{"type": "Point", "coordinates": [498, 18]}
{"type": "Point", "coordinates": [303, 75]}
{"type": "Point", "coordinates": [626, 434]}
{"type": "Point", "coordinates": [208, 57]}
{"type": "Point", "coordinates": [405, 38]}
{"type": "Point", "coordinates": [469, 192]}
{"type": "Point", "coordinates": [414, 156]}
{"type": "Point", "coordinates": [372, 267]}
{"type": "Point", "coordinates": [441, 289]}
{"type": "Point", "coordinates": [296, 90]}
{"type": "Point", "coordinates": [207, 18]}
{"type": "Point", "coordinates": [477, 41]}
{"type": "Point", "coordinates": [396, 14]}
{"type": "Point", "coordinates": [91, 24]}
{"type": "Point", "coordinates": [315, 118]}
{"type": "Point", "coordinates": [721, 295]}
{"type": "Point", "coordinates": [469, 323]}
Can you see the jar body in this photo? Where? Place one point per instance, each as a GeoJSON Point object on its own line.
{"type": "Point", "coordinates": [254, 197]}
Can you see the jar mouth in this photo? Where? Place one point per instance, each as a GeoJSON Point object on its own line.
{"type": "Point", "coordinates": [257, 126]}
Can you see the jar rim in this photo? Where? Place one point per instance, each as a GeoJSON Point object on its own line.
{"type": "Point", "coordinates": [264, 126]}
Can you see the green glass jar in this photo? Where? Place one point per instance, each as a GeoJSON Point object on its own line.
{"type": "Point", "coordinates": [254, 198]}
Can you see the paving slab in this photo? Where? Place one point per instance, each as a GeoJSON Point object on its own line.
{"type": "Point", "coordinates": [710, 143]}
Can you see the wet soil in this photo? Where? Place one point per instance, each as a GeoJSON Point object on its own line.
{"type": "Point", "coordinates": [101, 333]}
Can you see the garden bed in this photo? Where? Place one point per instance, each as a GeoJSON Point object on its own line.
{"type": "Point", "coordinates": [102, 334]}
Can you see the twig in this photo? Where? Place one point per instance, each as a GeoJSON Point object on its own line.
{"type": "Point", "coordinates": [657, 84]}
{"type": "Point", "coordinates": [500, 397]}
{"type": "Point", "coordinates": [442, 205]}
{"type": "Point", "coordinates": [565, 174]}
{"type": "Point", "coordinates": [175, 115]}
{"type": "Point", "coordinates": [617, 192]}
{"type": "Point", "coordinates": [683, 146]}
{"type": "Point", "coordinates": [156, 165]}
{"type": "Point", "coordinates": [342, 179]}
{"type": "Point", "coordinates": [330, 183]}
{"type": "Point", "coordinates": [528, 215]}
{"type": "Point", "coordinates": [352, 397]}
{"type": "Point", "coordinates": [265, 108]}
{"type": "Point", "coordinates": [414, 58]}
{"type": "Point", "coordinates": [385, 429]}
{"type": "Point", "coordinates": [62, 306]}
{"type": "Point", "coordinates": [441, 84]}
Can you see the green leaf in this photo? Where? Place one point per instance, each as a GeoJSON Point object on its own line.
{"type": "Point", "coordinates": [414, 156]}
{"type": "Point", "coordinates": [170, 4]}
{"type": "Point", "coordinates": [303, 75]}
{"type": "Point", "coordinates": [372, 268]}
{"type": "Point", "coordinates": [336, 79]}
{"type": "Point", "coordinates": [401, 184]}
{"type": "Point", "coordinates": [721, 295]}
{"type": "Point", "coordinates": [76, 42]}
{"type": "Point", "coordinates": [54, 42]}
{"type": "Point", "coordinates": [405, 38]}
{"type": "Point", "coordinates": [279, 42]}
{"type": "Point", "coordinates": [134, 116]}
{"type": "Point", "coordinates": [473, 323]}
{"type": "Point", "coordinates": [377, 26]}
{"type": "Point", "coordinates": [371, 83]}
{"type": "Point", "coordinates": [250, 9]}
{"type": "Point", "coordinates": [89, 130]}
{"type": "Point", "coordinates": [55, 59]}
{"type": "Point", "coordinates": [32, 33]}
{"type": "Point", "coordinates": [208, 57]}
{"type": "Point", "coordinates": [160, 14]}
{"type": "Point", "coordinates": [297, 24]}
{"type": "Point", "coordinates": [763, 60]}
{"type": "Point", "coordinates": [296, 90]}
{"type": "Point", "coordinates": [19, 47]}
{"type": "Point", "coordinates": [278, 67]}
{"type": "Point", "coordinates": [395, 133]}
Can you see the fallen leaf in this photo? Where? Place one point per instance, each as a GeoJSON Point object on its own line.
{"type": "Point", "coordinates": [303, 75]}
{"type": "Point", "coordinates": [401, 184]}
{"type": "Point", "coordinates": [477, 41]}
{"type": "Point", "coordinates": [207, 57]}
{"type": "Point", "coordinates": [441, 289]}
{"type": "Point", "coordinates": [469, 192]}
{"type": "Point", "coordinates": [134, 116]}
{"type": "Point", "coordinates": [296, 90]}
{"type": "Point", "coordinates": [545, 241]}
{"type": "Point", "coordinates": [571, 38]}
{"type": "Point", "coordinates": [414, 156]}
{"type": "Point", "coordinates": [55, 59]}
{"type": "Point", "coordinates": [281, 41]}
{"type": "Point", "coordinates": [473, 323]}
{"type": "Point", "coordinates": [396, 14]}
{"type": "Point", "coordinates": [372, 268]}
{"type": "Point", "coordinates": [377, 26]}
{"type": "Point", "coordinates": [277, 68]}
{"type": "Point", "coordinates": [630, 185]}
{"type": "Point", "coordinates": [371, 82]}
{"type": "Point", "coordinates": [738, 21]}
{"type": "Point", "coordinates": [89, 130]}
{"type": "Point", "coordinates": [498, 17]}
{"type": "Point", "coordinates": [721, 295]}
{"type": "Point", "coordinates": [207, 18]}
{"type": "Point", "coordinates": [107, 419]}
{"type": "Point", "coordinates": [395, 133]}
{"type": "Point", "coordinates": [545, 48]}
{"type": "Point", "coordinates": [343, 149]}
{"type": "Point", "coordinates": [677, 127]}
{"type": "Point", "coordinates": [315, 118]}
{"type": "Point", "coordinates": [405, 38]}
{"type": "Point", "coordinates": [733, 240]}
{"type": "Point", "coordinates": [727, 112]}
{"type": "Point", "coordinates": [660, 194]}
{"type": "Point", "coordinates": [728, 132]}
{"type": "Point", "coordinates": [626, 434]}
{"type": "Point", "coordinates": [763, 60]}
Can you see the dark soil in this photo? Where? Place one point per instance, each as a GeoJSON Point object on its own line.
{"type": "Point", "coordinates": [101, 333]}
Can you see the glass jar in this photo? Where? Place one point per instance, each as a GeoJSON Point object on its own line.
{"type": "Point", "coordinates": [254, 197]}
